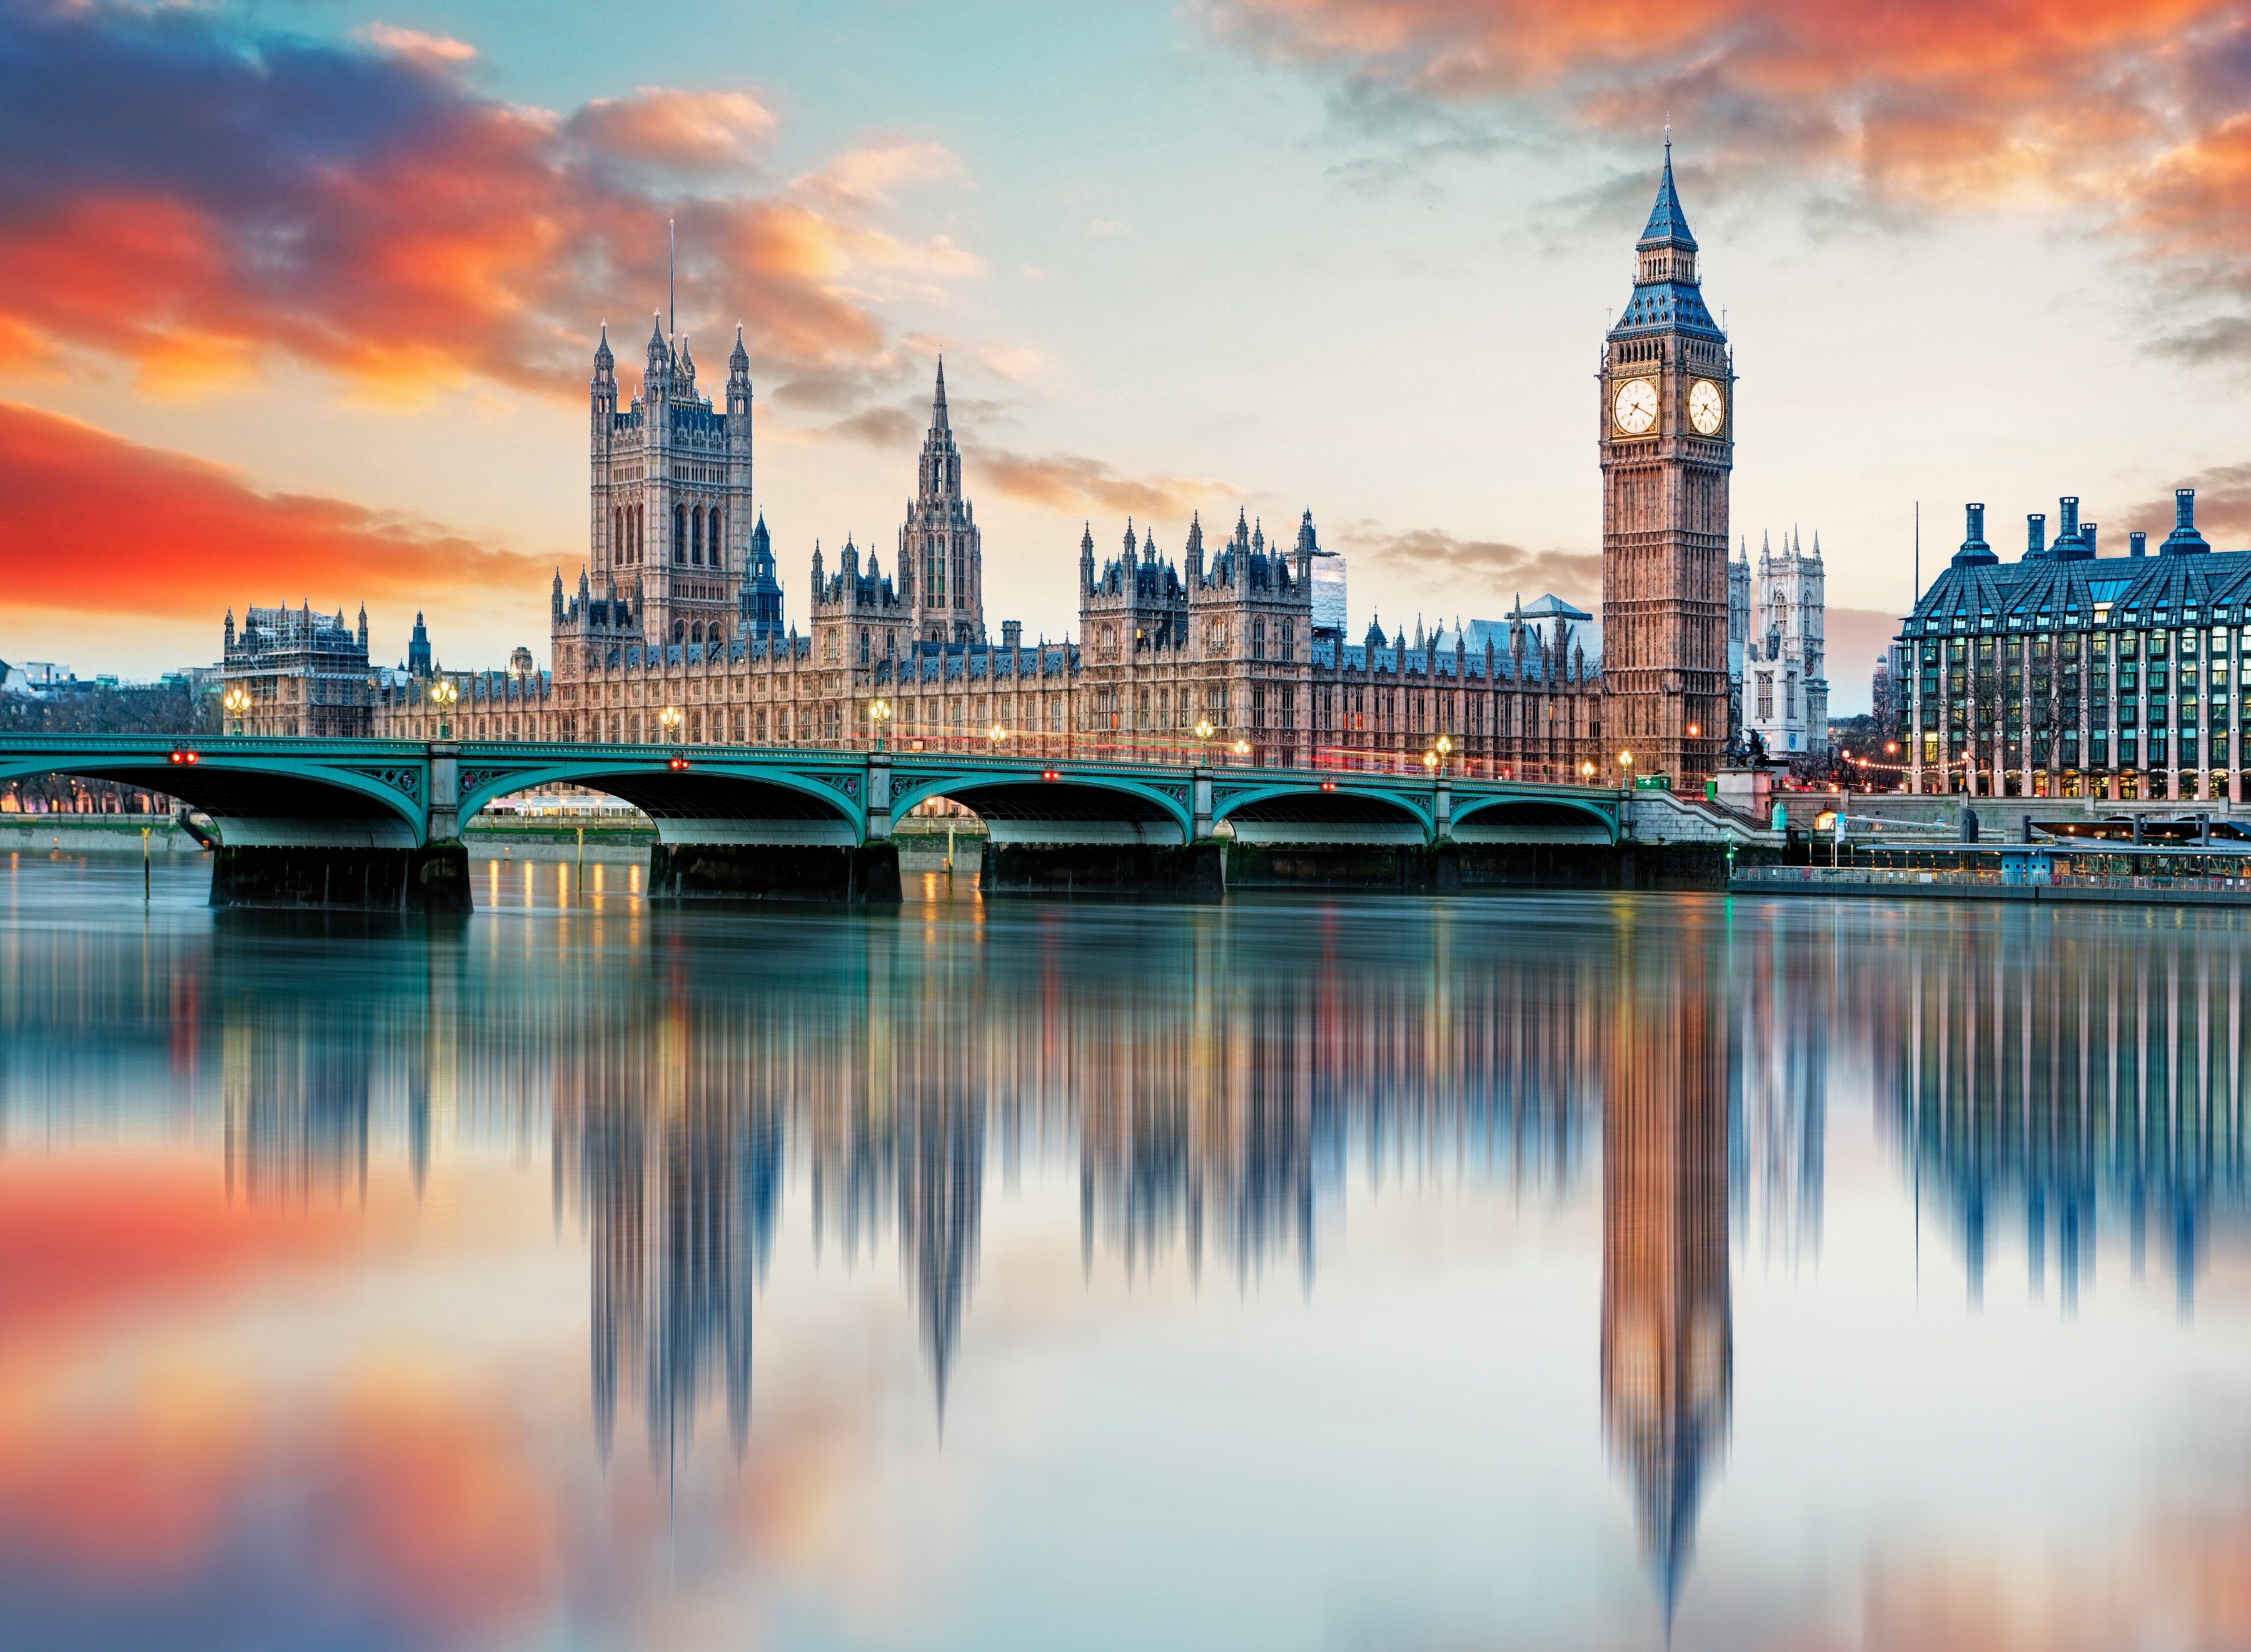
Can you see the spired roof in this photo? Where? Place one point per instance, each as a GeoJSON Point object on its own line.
{"type": "Point", "coordinates": [1666, 296]}
{"type": "Point", "coordinates": [1668, 224]}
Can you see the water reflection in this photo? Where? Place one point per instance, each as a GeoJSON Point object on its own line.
{"type": "Point", "coordinates": [1668, 1349]}
{"type": "Point", "coordinates": [2067, 1089]}
{"type": "Point", "coordinates": [1229, 1094]}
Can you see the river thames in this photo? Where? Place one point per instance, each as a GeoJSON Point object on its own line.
{"type": "Point", "coordinates": [1555, 1270]}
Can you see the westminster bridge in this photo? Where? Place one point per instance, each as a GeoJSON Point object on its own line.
{"type": "Point", "coordinates": [368, 822]}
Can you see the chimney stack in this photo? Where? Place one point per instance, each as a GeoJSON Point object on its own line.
{"type": "Point", "coordinates": [2035, 535]}
{"type": "Point", "coordinates": [2138, 544]}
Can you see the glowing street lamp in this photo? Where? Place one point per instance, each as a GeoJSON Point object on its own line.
{"type": "Point", "coordinates": [1587, 771]}
{"type": "Point", "coordinates": [670, 718]}
{"type": "Point", "coordinates": [443, 694]}
{"type": "Point", "coordinates": [996, 734]}
{"type": "Point", "coordinates": [237, 702]}
{"type": "Point", "coordinates": [1445, 750]}
{"type": "Point", "coordinates": [1431, 762]}
{"type": "Point", "coordinates": [879, 712]}
{"type": "Point", "coordinates": [1626, 763]}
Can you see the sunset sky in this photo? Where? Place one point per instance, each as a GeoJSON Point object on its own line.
{"type": "Point", "coordinates": [297, 300]}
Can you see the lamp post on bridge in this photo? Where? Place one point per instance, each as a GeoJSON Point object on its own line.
{"type": "Point", "coordinates": [443, 694]}
{"type": "Point", "coordinates": [237, 702]}
{"type": "Point", "coordinates": [879, 712]}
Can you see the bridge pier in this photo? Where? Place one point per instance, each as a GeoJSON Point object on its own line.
{"type": "Point", "coordinates": [433, 879]}
{"type": "Point", "coordinates": [1191, 871]}
{"type": "Point", "coordinates": [867, 873]}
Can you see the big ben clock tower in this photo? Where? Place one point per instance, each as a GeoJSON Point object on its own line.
{"type": "Point", "coordinates": [1668, 443]}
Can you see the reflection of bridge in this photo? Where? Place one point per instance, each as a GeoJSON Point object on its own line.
{"type": "Point", "coordinates": [376, 821]}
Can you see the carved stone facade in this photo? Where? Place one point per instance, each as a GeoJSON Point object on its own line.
{"type": "Point", "coordinates": [306, 674]}
{"type": "Point", "coordinates": [1786, 681]}
{"type": "Point", "coordinates": [1215, 659]}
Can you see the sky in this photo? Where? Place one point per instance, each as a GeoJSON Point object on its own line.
{"type": "Point", "coordinates": [298, 298]}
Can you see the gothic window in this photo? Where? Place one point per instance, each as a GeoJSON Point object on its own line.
{"type": "Point", "coordinates": [719, 536]}
{"type": "Point", "coordinates": [1258, 639]}
{"type": "Point", "coordinates": [1289, 641]}
{"type": "Point", "coordinates": [863, 645]}
{"type": "Point", "coordinates": [696, 633]}
{"type": "Point", "coordinates": [679, 533]}
{"type": "Point", "coordinates": [696, 536]}
{"type": "Point", "coordinates": [1765, 696]}
{"type": "Point", "coordinates": [680, 630]}
{"type": "Point", "coordinates": [716, 636]}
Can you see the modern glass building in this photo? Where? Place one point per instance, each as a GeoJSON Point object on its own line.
{"type": "Point", "coordinates": [2067, 674]}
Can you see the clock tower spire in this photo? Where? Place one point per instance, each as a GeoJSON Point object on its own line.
{"type": "Point", "coordinates": [1667, 446]}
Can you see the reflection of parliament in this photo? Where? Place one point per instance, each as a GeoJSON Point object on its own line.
{"type": "Point", "coordinates": [680, 607]}
{"type": "Point", "coordinates": [1216, 1114]}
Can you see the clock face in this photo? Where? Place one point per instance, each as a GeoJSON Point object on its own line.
{"type": "Point", "coordinates": [1708, 407]}
{"type": "Point", "coordinates": [1635, 407]}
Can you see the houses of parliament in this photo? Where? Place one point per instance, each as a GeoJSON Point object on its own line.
{"type": "Point", "coordinates": [1215, 653]}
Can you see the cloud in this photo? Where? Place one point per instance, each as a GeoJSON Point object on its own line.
{"type": "Point", "coordinates": [1434, 556]}
{"type": "Point", "coordinates": [413, 43]}
{"type": "Point", "coordinates": [687, 130]}
{"type": "Point", "coordinates": [874, 174]}
{"type": "Point", "coordinates": [2223, 509]}
{"type": "Point", "coordinates": [1072, 484]}
{"type": "Point", "coordinates": [879, 428]}
{"type": "Point", "coordinates": [200, 206]}
{"type": "Point", "coordinates": [2124, 116]}
{"type": "Point", "coordinates": [140, 531]}
{"type": "Point", "coordinates": [1108, 229]}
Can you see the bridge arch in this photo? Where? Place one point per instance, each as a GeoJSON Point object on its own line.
{"type": "Point", "coordinates": [1532, 820]}
{"type": "Point", "coordinates": [257, 800]}
{"type": "Point", "coordinates": [1302, 812]}
{"type": "Point", "coordinates": [709, 803]}
{"type": "Point", "coordinates": [1022, 806]}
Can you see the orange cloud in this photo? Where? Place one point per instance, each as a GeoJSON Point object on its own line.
{"type": "Point", "coordinates": [142, 531]}
{"type": "Point", "coordinates": [198, 209]}
{"type": "Point", "coordinates": [1072, 482]}
{"type": "Point", "coordinates": [2127, 113]}
{"type": "Point", "coordinates": [676, 128]}
{"type": "Point", "coordinates": [1432, 557]}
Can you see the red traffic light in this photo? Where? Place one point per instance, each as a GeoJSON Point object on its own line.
{"type": "Point", "coordinates": [1049, 775]}
{"type": "Point", "coordinates": [676, 762]}
{"type": "Point", "coordinates": [1328, 785]}
{"type": "Point", "coordinates": [184, 756]}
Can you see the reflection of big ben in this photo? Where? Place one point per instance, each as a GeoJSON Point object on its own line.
{"type": "Point", "coordinates": [1667, 1351]}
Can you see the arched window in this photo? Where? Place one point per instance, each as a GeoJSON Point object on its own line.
{"type": "Point", "coordinates": [695, 536]}
{"type": "Point", "coordinates": [679, 533]}
{"type": "Point", "coordinates": [617, 533]}
{"type": "Point", "coordinates": [719, 536]}
{"type": "Point", "coordinates": [680, 630]}
{"type": "Point", "coordinates": [716, 636]}
{"type": "Point", "coordinates": [1257, 639]}
{"type": "Point", "coordinates": [695, 632]}
{"type": "Point", "coordinates": [863, 645]}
